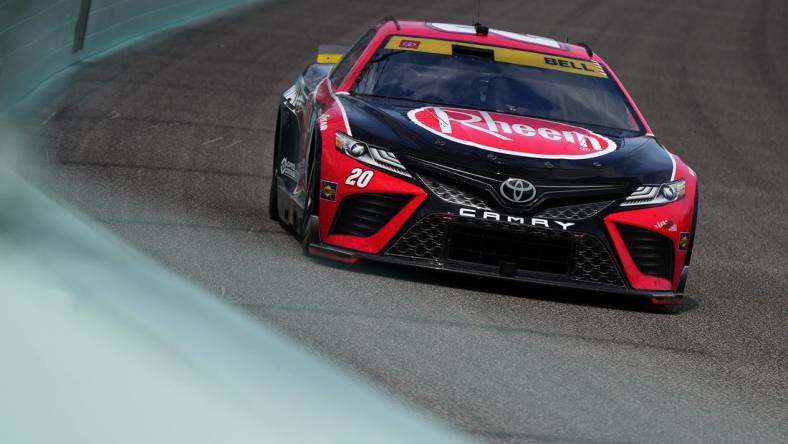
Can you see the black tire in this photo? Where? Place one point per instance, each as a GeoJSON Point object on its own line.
{"type": "Point", "coordinates": [273, 195]}
{"type": "Point", "coordinates": [273, 200]}
{"type": "Point", "coordinates": [312, 201]}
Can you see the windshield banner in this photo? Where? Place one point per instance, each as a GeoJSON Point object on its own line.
{"type": "Point", "coordinates": [504, 55]}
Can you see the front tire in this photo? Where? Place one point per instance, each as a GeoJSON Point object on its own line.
{"type": "Point", "coordinates": [311, 203]}
{"type": "Point", "coordinates": [273, 200]}
{"type": "Point", "coordinates": [273, 192]}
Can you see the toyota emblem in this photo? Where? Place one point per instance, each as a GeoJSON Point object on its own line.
{"type": "Point", "coordinates": [518, 190]}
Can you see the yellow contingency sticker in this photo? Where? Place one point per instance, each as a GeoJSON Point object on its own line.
{"type": "Point", "coordinates": [329, 58]}
{"type": "Point", "coordinates": [505, 55]}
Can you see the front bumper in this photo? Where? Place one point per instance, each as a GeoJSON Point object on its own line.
{"type": "Point", "coordinates": [316, 248]}
{"type": "Point", "coordinates": [589, 261]}
{"type": "Point", "coordinates": [591, 252]}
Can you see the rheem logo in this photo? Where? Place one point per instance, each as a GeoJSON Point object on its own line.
{"type": "Point", "coordinates": [509, 134]}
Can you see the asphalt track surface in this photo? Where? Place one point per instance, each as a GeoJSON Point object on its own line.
{"type": "Point", "coordinates": [168, 141]}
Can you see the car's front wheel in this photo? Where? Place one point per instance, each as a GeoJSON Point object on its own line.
{"type": "Point", "coordinates": [273, 194]}
{"type": "Point", "coordinates": [311, 201]}
{"type": "Point", "coordinates": [273, 200]}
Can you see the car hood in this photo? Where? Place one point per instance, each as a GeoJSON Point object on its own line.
{"type": "Point", "coordinates": [498, 144]}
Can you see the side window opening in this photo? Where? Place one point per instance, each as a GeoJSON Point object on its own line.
{"type": "Point", "coordinates": [343, 67]}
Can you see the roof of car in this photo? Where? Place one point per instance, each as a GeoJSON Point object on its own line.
{"type": "Point", "coordinates": [495, 37]}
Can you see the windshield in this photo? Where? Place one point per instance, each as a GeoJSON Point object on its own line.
{"type": "Point", "coordinates": [474, 76]}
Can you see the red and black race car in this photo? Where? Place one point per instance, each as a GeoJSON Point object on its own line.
{"type": "Point", "coordinates": [486, 152]}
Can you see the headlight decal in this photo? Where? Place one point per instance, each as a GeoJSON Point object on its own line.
{"type": "Point", "coordinates": [370, 155]}
{"type": "Point", "coordinates": [656, 194]}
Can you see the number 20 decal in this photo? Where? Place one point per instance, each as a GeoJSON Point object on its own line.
{"type": "Point", "coordinates": [359, 177]}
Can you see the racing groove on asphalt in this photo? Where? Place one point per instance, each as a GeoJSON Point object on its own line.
{"type": "Point", "coordinates": [168, 143]}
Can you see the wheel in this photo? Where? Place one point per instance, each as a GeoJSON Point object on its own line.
{"type": "Point", "coordinates": [273, 200]}
{"type": "Point", "coordinates": [311, 201]}
{"type": "Point", "coordinates": [273, 195]}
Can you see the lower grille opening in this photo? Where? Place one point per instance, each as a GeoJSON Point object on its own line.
{"type": "Point", "coordinates": [428, 240]}
{"type": "Point", "coordinates": [528, 251]}
{"type": "Point", "coordinates": [652, 252]}
{"type": "Point", "coordinates": [364, 214]}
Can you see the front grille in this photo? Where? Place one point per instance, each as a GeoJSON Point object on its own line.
{"type": "Point", "coordinates": [594, 264]}
{"type": "Point", "coordinates": [526, 251]}
{"type": "Point", "coordinates": [453, 195]}
{"type": "Point", "coordinates": [423, 241]}
{"type": "Point", "coordinates": [364, 214]}
{"type": "Point", "coordinates": [652, 252]}
{"type": "Point", "coordinates": [575, 256]}
{"type": "Point", "coordinates": [575, 212]}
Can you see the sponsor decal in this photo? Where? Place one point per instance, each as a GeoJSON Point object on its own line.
{"type": "Point", "coordinates": [323, 121]}
{"type": "Point", "coordinates": [666, 225]}
{"type": "Point", "coordinates": [510, 134]}
{"type": "Point", "coordinates": [501, 55]}
{"type": "Point", "coordinates": [329, 58]}
{"type": "Point", "coordinates": [532, 221]}
{"type": "Point", "coordinates": [328, 190]}
{"type": "Point", "coordinates": [517, 190]}
{"type": "Point", "coordinates": [329, 54]}
{"type": "Point", "coordinates": [569, 64]}
{"type": "Point", "coordinates": [684, 239]}
{"type": "Point", "coordinates": [288, 169]}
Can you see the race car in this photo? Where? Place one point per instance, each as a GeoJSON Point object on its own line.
{"type": "Point", "coordinates": [482, 151]}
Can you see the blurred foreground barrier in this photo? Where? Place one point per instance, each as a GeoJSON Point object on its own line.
{"type": "Point", "coordinates": [101, 345]}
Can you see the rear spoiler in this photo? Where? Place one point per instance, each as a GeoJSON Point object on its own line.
{"type": "Point", "coordinates": [331, 53]}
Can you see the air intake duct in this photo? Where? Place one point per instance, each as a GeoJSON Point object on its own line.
{"type": "Point", "coordinates": [365, 214]}
{"type": "Point", "coordinates": [652, 252]}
